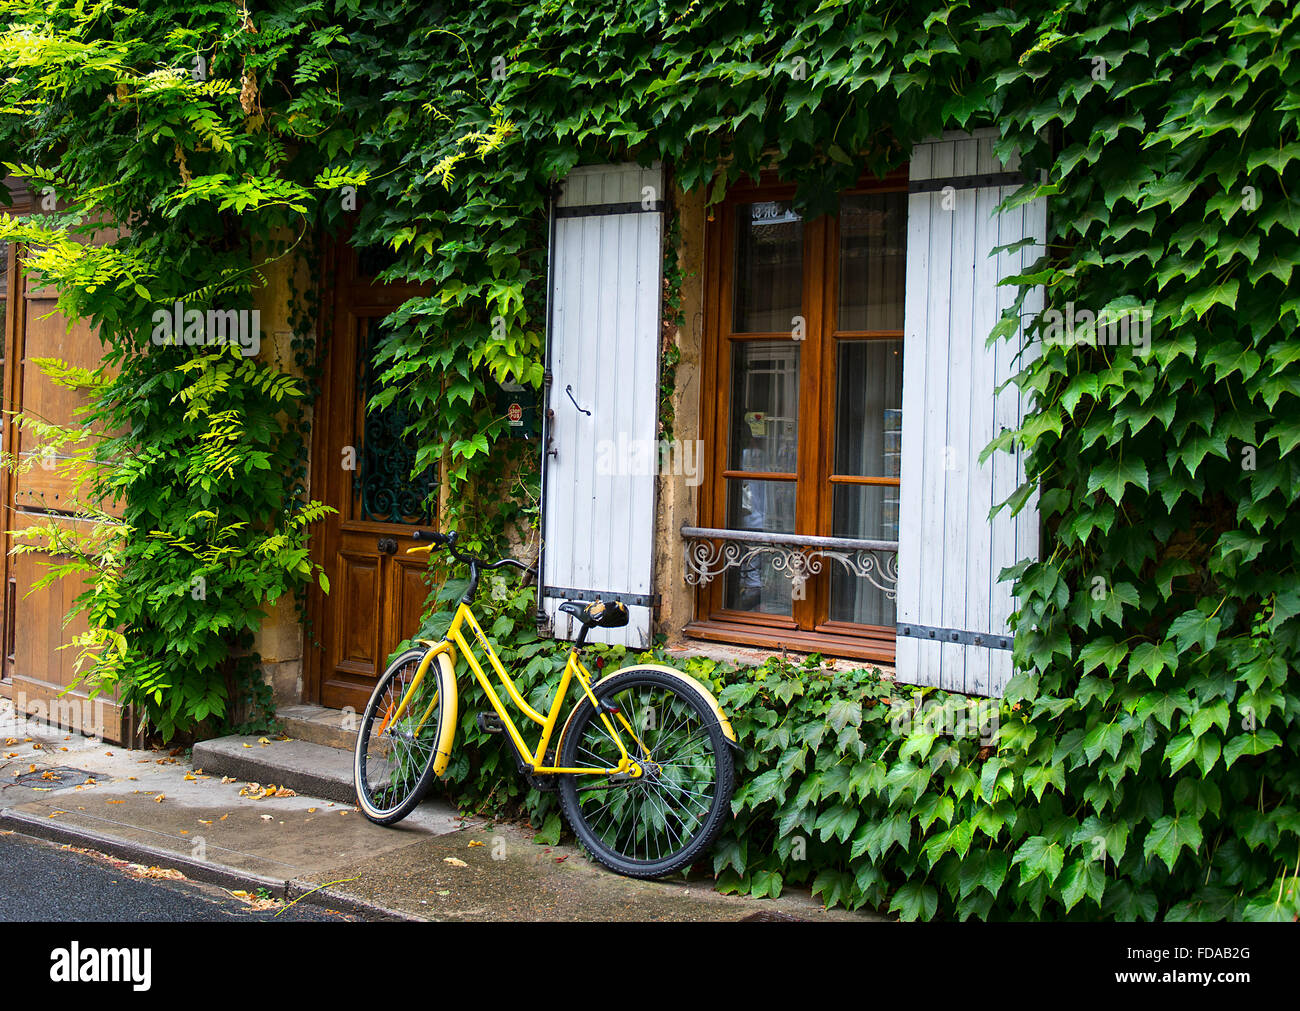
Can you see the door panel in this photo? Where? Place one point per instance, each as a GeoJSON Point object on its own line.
{"type": "Point", "coordinates": [37, 671]}
{"type": "Point", "coordinates": [361, 465]}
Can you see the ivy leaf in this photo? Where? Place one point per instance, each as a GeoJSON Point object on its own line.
{"type": "Point", "coordinates": [1039, 856]}
{"type": "Point", "coordinates": [1250, 744]}
{"type": "Point", "coordinates": [1103, 651]}
{"type": "Point", "coordinates": [1206, 298]}
{"type": "Point", "coordinates": [1150, 658]}
{"type": "Point", "coordinates": [844, 712]}
{"type": "Point", "coordinates": [1193, 627]}
{"type": "Point", "coordinates": [1113, 475]}
{"type": "Point", "coordinates": [838, 822]}
{"type": "Point", "coordinates": [1082, 877]}
{"type": "Point", "coordinates": [1169, 835]}
{"type": "Point", "coordinates": [915, 902]}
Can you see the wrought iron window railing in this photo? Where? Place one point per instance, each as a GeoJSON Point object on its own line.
{"type": "Point", "coordinates": [711, 551]}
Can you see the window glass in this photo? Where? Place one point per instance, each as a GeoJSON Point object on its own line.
{"type": "Point", "coordinates": [764, 406]}
{"type": "Point", "coordinates": [869, 408]}
{"type": "Point", "coordinates": [873, 259]}
{"type": "Point", "coordinates": [768, 279]}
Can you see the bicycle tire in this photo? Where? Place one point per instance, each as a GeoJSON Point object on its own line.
{"type": "Point", "coordinates": [596, 840]}
{"type": "Point", "coordinates": [414, 784]}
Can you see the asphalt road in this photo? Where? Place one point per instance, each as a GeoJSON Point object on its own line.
{"type": "Point", "coordinates": [40, 882]}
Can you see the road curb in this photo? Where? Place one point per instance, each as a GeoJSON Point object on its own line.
{"type": "Point", "coordinates": [49, 830]}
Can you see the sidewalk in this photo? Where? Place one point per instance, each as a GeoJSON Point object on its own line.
{"type": "Point", "coordinates": [155, 808]}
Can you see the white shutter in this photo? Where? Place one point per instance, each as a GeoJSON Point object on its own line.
{"type": "Point", "coordinates": [598, 501]}
{"type": "Point", "coordinates": [952, 610]}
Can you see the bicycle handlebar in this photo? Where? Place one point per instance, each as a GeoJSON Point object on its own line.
{"type": "Point", "coordinates": [448, 541]}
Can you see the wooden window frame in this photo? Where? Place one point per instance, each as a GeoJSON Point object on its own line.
{"type": "Point", "coordinates": [809, 627]}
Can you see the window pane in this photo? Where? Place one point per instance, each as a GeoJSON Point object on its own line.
{"type": "Point", "coordinates": [768, 282]}
{"type": "Point", "coordinates": [870, 512]}
{"type": "Point", "coordinates": [759, 505]}
{"type": "Point", "coordinates": [869, 408]}
{"type": "Point", "coordinates": [764, 406]}
{"type": "Point", "coordinates": [873, 257]}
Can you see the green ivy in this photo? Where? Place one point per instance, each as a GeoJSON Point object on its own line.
{"type": "Point", "coordinates": [1145, 763]}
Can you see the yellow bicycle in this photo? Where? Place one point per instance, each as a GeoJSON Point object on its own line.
{"type": "Point", "coordinates": [643, 763]}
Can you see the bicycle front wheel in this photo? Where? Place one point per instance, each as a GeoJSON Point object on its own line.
{"type": "Point", "coordinates": [397, 746]}
{"type": "Point", "coordinates": [665, 819]}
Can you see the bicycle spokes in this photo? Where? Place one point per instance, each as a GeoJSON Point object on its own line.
{"type": "Point", "coordinates": [401, 740]}
{"type": "Point", "coordinates": [656, 813]}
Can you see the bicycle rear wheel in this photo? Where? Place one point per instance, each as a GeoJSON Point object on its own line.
{"type": "Point", "coordinates": [395, 754]}
{"type": "Point", "coordinates": [664, 820]}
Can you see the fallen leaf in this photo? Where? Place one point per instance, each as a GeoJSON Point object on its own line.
{"type": "Point", "coordinates": [475, 842]}
{"type": "Point", "coordinates": [185, 831]}
{"type": "Point", "coordinates": [454, 861]}
{"type": "Point", "coordinates": [223, 817]}
{"type": "Point", "coordinates": [190, 776]}
{"type": "Point", "coordinates": [311, 810]}
{"type": "Point", "coordinates": [247, 745]}
{"type": "Point", "coordinates": [284, 791]}
{"type": "Point", "coordinates": [10, 740]}
{"type": "Point", "coordinates": [227, 779]}
{"type": "Point", "coordinates": [108, 754]}
{"type": "Point", "coordinates": [114, 802]}
{"type": "Point", "coordinates": [202, 822]}
{"type": "Point", "coordinates": [166, 873]}
{"type": "Point", "coordinates": [160, 798]}
{"type": "Point", "coordinates": [37, 747]}
{"type": "Point", "coordinates": [263, 741]}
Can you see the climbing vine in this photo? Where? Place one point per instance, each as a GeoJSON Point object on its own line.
{"type": "Point", "coordinates": [1145, 761]}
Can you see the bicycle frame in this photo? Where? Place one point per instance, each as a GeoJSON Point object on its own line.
{"type": "Point", "coordinates": [573, 669]}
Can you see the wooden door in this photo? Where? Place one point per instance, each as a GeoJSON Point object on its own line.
{"type": "Point", "coordinates": [361, 466]}
{"type": "Point", "coordinates": [37, 672]}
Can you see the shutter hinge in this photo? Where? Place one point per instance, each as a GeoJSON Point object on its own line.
{"type": "Point", "coordinates": [957, 635]}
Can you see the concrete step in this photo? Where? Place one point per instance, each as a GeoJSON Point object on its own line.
{"type": "Point", "coordinates": [315, 770]}
{"type": "Point", "coordinates": [334, 728]}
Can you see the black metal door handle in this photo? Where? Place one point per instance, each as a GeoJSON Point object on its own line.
{"type": "Point", "coordinates": [387, 546]}
{"type": "Point", "coordinates": [569, 391]}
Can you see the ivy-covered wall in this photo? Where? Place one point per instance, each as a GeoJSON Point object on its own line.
{"type": "Point", "coordinates": [1145, 764]}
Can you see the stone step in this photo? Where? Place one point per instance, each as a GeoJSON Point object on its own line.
{"type": "Point", "coordinates": [334, 728]}
{"type": "Point", "coordinates": [315, 770]}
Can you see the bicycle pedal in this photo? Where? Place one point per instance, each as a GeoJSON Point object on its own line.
{"type": "Point", "coordinates": [489, 723]}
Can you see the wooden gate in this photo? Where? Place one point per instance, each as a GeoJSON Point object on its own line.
{"type": "Point", "coordinates": [37, 673]}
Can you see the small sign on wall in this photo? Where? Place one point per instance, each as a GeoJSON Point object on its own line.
{"type": "Point", "coordinates": [518, 405]}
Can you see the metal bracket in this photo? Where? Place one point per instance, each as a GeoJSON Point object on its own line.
{"type": "Point", "coordinates": [603, 210]}
{"type": "Point", "coordinates": [988, 181]}
{"type": "Point", "coordinates": [631, 599]}
{"type": "Point", "coordinates": [957, 635]}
